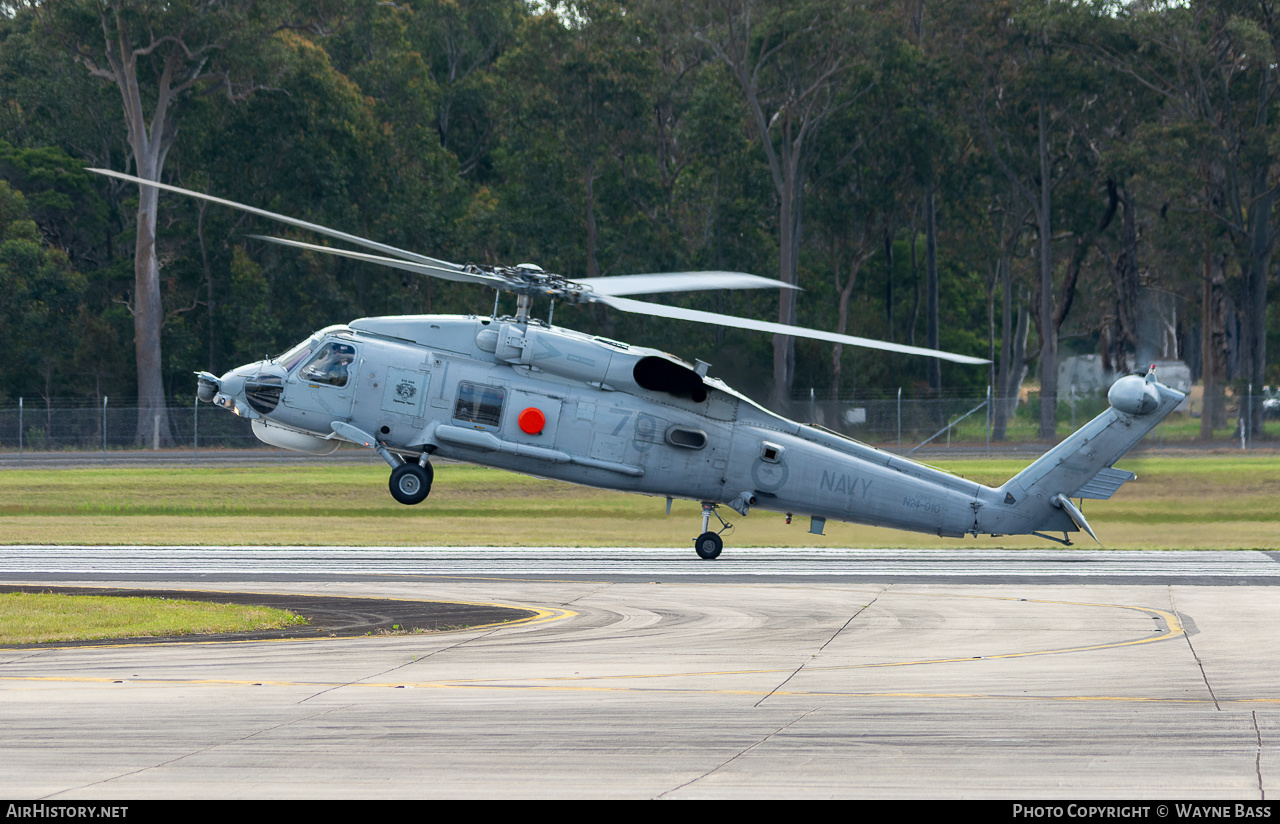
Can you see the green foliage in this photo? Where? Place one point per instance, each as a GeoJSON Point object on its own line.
{"type": "Point", "coordinates": [251, 296]}
{"type": "Point", "coordinates": [40, 296]}
{"type": "Point", "coordinates": [59, 195]}
{"type": "Point", "coordinates": [607, 137]}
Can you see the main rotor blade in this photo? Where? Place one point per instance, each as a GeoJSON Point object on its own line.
{"type": "Point", "coordinates": [421, 268]}
{"type": "Point", "coordinates": [302, 224]}
{"type": "Point", "coordinates": [663, 282]}
{"type": "Point", "coordinates": [659, 310]}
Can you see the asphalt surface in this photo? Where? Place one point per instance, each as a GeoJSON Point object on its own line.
{"type": "Point", "coordinates": [642, 682]}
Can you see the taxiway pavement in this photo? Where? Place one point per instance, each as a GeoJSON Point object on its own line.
{"type": "Point", "coordinates": [635, 683]}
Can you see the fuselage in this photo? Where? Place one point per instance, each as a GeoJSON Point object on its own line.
{"type": "Point", "coordinates": [556, 403]}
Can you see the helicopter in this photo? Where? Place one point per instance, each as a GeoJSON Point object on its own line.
{"type": "Point", "coordinates": [517, 393]}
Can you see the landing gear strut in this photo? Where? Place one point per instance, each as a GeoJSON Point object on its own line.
{"type": "Point", "coordinates": [410, 481]}
{"type": "Point", "coordinates": [709, 544]}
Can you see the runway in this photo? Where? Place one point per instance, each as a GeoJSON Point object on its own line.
{"type": "Point", "coordinates": [981, 565]}
{"type": "Point", "coordinates": [781, 673]}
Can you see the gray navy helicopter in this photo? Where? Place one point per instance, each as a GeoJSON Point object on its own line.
{"type": "Point", "coordinates": [520, 394]}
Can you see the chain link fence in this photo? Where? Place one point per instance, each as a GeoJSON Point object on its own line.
{"type": "Point", "coordinates": [107, 429]}
{"type": "Point", "coordinates": [902, 423]}
{"type": "Point", "coordinates": [899, 423]}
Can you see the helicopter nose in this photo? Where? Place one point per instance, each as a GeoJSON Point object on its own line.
{"type": "Point", "coordinates": [227, 391]}
{"type": "Point", "coordinates": [250, 391]}
{"type": "Point", "coordinates": [231, 384]}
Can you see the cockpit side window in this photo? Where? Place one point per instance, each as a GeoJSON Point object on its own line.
{"type": "Point", "coordinates": [479, 404]}
{"type": "Point", "coordinates": [331, 365]}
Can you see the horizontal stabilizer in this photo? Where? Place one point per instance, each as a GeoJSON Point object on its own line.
{"type": "Point", "coordinates": [1077, 517]}
{"type": "Point", "coordinates": [1103, 485]}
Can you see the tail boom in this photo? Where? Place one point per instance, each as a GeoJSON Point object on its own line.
{"type": "Point", "coordinates": [1038, 499]}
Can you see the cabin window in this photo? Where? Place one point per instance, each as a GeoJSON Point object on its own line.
{"type": "Point", "coordinates": [332, 366]}
{"type": "Point", "coordinates": [771, 452]}
{"type": "Point", "coordinates": [687, 438]}
{"type": "Point", "coordinates": [479, 404]}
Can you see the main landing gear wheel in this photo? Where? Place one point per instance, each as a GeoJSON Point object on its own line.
{"type": "Point", "coordinates": [708, 546]}
{"type": "Point", "coordinates": [410, 483]}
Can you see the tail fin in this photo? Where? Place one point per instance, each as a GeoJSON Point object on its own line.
{"type": "Point", "coordinates": [1081, 466]}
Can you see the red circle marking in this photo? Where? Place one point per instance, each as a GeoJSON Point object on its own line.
{"type": "Point", "coordinates": [532, 421]}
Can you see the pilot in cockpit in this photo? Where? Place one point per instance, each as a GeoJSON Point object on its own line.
{"type": "Point", "coordinates": [332, 365]}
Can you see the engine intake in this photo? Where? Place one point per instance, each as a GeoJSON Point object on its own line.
{"type": "Point", "coordinates": [662, 375]}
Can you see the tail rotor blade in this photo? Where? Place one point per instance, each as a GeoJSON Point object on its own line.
{"type": "Point", "coordinates": [1077, 517]}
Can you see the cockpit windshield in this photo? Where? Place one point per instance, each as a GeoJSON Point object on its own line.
{"type": "Point", "coordinates": [297, 354]}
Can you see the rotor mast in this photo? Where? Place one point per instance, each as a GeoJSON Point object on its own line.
{"type": "Point", "coordinates": [523, 301]}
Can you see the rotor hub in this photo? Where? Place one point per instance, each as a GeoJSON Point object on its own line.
{"type": "Point", "coordinates": [530, 279]}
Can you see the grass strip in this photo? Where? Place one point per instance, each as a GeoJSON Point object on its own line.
{"type": "Point", "coordinates": [39, 618]}
{"type": "Point", "coordinates": [1221, 501]}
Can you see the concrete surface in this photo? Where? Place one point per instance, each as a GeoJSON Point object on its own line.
{"type": "Point", "coordinates": [800, 687]}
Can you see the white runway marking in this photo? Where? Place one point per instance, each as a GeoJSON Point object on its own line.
{"type": "Point", "coordinates": [960, 564]}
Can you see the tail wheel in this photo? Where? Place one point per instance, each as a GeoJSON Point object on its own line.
{"type": "Point", "coordinates": [410, 483]}
{"type": "Point", "coordinates": [708, 546]}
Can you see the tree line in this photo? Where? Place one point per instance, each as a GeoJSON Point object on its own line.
{"type": "Point", "coordinates": [1005, 179]}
